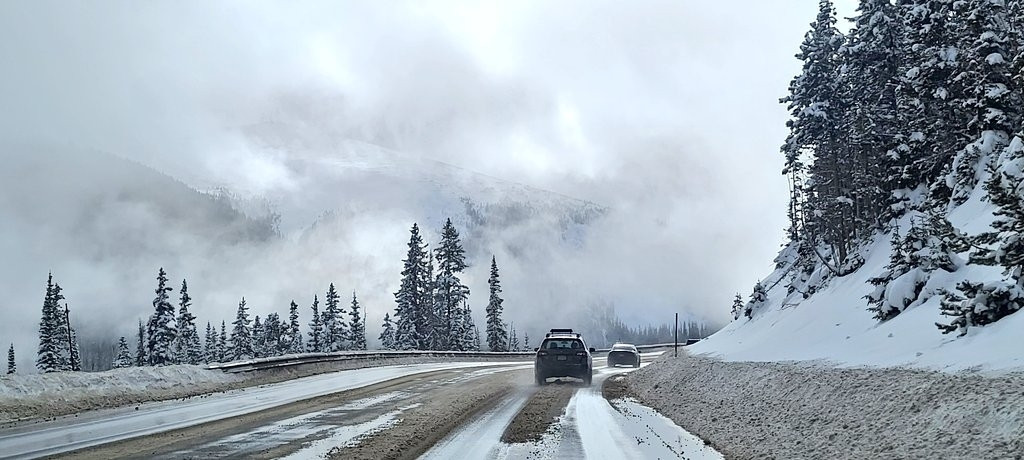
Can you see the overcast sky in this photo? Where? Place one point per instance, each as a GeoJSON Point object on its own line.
{"type": "Point", "coordinates": [666, 111]}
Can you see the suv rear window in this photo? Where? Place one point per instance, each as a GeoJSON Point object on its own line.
{"type": "Point", "coordinates": [563, 344]}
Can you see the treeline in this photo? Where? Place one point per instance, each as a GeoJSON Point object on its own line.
{"type": "Point", "coordinates": [170, 335]}
{"type": "Point", "coordinates": [910, 115]}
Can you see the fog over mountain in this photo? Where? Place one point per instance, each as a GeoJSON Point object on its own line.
{"type": "Point", "coordinates": [266, 149]}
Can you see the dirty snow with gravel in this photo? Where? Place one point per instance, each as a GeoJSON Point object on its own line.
{"type": "Point", "coordinates": [751, 410]}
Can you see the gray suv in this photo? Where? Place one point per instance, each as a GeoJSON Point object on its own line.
{"type": "Point", "coordinates": [563, 353]}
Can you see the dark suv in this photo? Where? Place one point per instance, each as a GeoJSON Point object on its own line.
{"type": "Point", "coordinates": [563, 354]}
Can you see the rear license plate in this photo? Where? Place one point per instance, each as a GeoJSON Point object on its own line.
{"type": "Point", "coordinates": [562, 357]}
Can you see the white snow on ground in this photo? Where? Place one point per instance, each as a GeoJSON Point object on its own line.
{"type": "Point", "coordinates": [636, 432]}
{"type": "Point", "coordinates": [100, 427]}
{"type": "Point", "coordinates": [347, 435]}
{"type": "Point", "coordinates": [834, 325]}
{"type": "Point", "coordinates": [65, 385]}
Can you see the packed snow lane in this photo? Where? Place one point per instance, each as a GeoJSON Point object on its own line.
{"type": "Point", "coordinates": [590, 428]}
{"type": "Point", "coordinates": [67, 434]}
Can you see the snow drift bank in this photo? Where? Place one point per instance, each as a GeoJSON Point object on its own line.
{"type": "Point", "coordinates": [804, 410]}
{"type": "Point", "coordinates": [60, 393]}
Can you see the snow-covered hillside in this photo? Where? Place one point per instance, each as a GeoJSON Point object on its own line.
{"type": "Point", "coordinates": [834, 324]}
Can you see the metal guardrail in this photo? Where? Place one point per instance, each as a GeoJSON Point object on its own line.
{"type": "Point", "coordinates": [314, 358]}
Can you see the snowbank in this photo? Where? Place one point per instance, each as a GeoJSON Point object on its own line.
{"type": "Point", "coordinates": [834, 325]}
{"type": "Point", "coordinates": [47, 395]}
{"type": "Point", "coordinates": [805, 410]}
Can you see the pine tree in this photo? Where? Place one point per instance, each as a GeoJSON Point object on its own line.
{"type": "Point", "coordinates": [334, 325]}
{"type": "Point", "coordinates": [758, 298]}
{"type": "Point", "coordinates": [357, 328]}
{"type": "Point", "coordinates": [161, 331]}
{"type": "Point", "coordinates": [814, 110]}
{"type": "Point", "coordinates": [140, 351]}
{"type": "Point", "coordinates": [988, 89]}
{"type": "Point", "coordinates": [526, 342]}
{"type": "Point", "coordinates": [737, 306]}
{"type": "Point", "coordinates": [259, 344]}
{"type": "Point", "coordinates": [387, 335]}
{"type": "Point", "coordinates": [316, 329]}
{"type": "Point", "coordinates": [188, 347]}
{"type": "Point", "coordinates": [497, 338]}
{"type": "Point", "coordinates": [413, 298]}
{"type": "Point", "coordinates": [293, 330]}
{"type": "Point", "coordinates": [241, 335]}
{"type": "Point", "coordinates": [12, 366]}
{"type": "Point", "coordinates": [61, 334]}
{"type": "Point", "coordinates": [274, 341]}
{"type": "Point", "coordinates": [124, 356]}
{"type": "Point", "coordinates": [74, 361]}
{"type": "Point", "coordinates": [210, 354]}
{"type": "Point", "coordinates": [222, 343]}
{"type": "Point", "coordinates": [49, 352]}
{"type": "Point", "coordinates": [513, 341]}
{"type": "Point", "coordinates": [449, 292]}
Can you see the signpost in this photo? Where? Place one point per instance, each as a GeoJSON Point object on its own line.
{"type": "Point", "coordinates": [675, 333]}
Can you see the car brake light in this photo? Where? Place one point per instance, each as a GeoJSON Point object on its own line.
{"type": "Point", "coordinates": [581, 353]}
{"type": "Point", "coordinates": [542, 353]}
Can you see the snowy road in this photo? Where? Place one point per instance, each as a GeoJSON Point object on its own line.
{"type": "Point", "coordinates": [67, 434]}
{"type": "Point", "coordinates": [431, 411]}
{"type": "Point", "coordinates": [591, 428]}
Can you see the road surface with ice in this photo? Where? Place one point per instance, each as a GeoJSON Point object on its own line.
{"type": "Point", "coordinates": [453, 410]}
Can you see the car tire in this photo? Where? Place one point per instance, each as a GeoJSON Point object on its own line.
{"type": "Point", "coordinates": [637, 364]}
{"type": "Point", "coordinates": [588, 379]}
{"type": "Point", "coordinates": [541, 381]}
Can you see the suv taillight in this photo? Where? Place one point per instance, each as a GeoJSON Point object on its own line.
{"type": "Point", "coordinates": [581, 353]}
{"type": "Point", "coordinates": [542, 353]}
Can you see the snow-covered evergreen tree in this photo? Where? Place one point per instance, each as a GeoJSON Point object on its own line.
{"type": "Point", "coordinates": [757, 300]}
{"type": "Point", "coordinates": [413, 296]}
{"type": "Point", "coordinates": [814, 110]}
{"type": "Point", "coordinates": [12, 365]}
{"type": "Point", "coordinates": [988, 89]}
{"type": "Point", "coordinates": [513, 340]}
{"type": "Point", "coordinates": [387, 335]}
{"type": "Point", "coordinates": [74, 361]}
{"type": "Point", "coordinates": [737, 306]}
{"type": "Point", "coordinates": [316, 329]}
{"type": "Point", "coordinates": [48, 358]}
{"type": "Point", "coordinates": [293, 331]}
{"type": "Point", "coordinates": [985, 303]}
{"type": "Point", "coordinates": [274, 341]}
{"type": "Point", "coordinates": [333, 320]}
{"type": "Point", "coordinates": [140, 350]}
{"type": "Point", "coordinates": [448, 331]}
{"type": "Point", "coordinates": [357, 328]}
{"type": "Point", "coordinates": [259, 344]}
{"type": "Point", "coordinates": [187, 346]}
{"type": "Point", "coordinates": [222, 343]}
{"type": "Point", "coordinates": [210, 354]}
{"type": "Point", "coordinates": [124, 356]}
{"type": "Point", "coordinates": [526, 342]}
{"type": "Point", "coordinates": [497, 338]}
{"type": "Point", "coordinates": [241, 334]}
{"type": "Point", "coordinates": [161, 332]}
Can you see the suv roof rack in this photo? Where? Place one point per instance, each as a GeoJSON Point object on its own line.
{"type": "Point", "coordinates": [562, 332]}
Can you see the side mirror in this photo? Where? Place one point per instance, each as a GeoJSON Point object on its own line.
{"type": "Point", "coordinates": [536, 349]}
{"type": "Point", "coordinates": [593, 350]}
